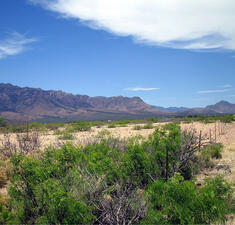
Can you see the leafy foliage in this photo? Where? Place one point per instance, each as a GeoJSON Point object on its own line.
{"type": "Point", "coordinates": [148, 126]}
{"type": "Point", "coordinates": [115, 181]}
{"type": "Point", "coordinates": [79, 126]}
{"type": "Point", "coordinates": [152, 119]}
{"type": "Point", "coordinates": [3, 122]}
{"type": "Point", "coordinates": [5, 215]}
{"type": "Point", "coordinates": [66, 136]}
{"type": "Point", "coordinates": [182, 202]}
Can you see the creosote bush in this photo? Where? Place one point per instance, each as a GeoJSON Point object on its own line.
{"type": "Point", "coordinates": [66, 136]}
{"type": "Point", "coordinates": [79, 126]}
{"type": "Point", "coordinates": [112, 125]}
{"type": "Point", "coordinates": [137, 127]}
{"type": "Point", "coordinates": [215, 150]}
{"type": "Point", "coordinates": [112, 181]}
{"type": "Point", "coordinates": [4, 123]}
{"type": "Point", "coordinates": [182, 202]}
{"type": "Point", "coordinates": [148, 126]}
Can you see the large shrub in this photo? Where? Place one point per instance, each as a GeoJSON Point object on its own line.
{"type": "Point", "coordinates": [182, 202]}
{"type": "Point", "coordinates": [39, 189]}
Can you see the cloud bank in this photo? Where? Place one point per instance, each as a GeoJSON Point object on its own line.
{"type": "Point", "coordinates": [183, 24]}
{"type": "Point", "coordinates": [141, 89]}
{"type": "Point", "coordinates": [14, 44]}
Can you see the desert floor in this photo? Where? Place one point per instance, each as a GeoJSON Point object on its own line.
{"type": "Point", "coordinates": [224, 133]}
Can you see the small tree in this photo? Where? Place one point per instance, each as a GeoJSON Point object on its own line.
{"type": "Point", "coordinates": [3, 122]}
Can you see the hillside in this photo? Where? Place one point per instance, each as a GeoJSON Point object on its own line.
{"type": "Point", "coordinates": [18, 103]}
{"type": "Point", "coordinates": [222, 107]}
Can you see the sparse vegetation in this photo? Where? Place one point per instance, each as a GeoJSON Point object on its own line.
{"type": "Point", "coordinates": [79, 126]}
{"type": "Point", "coordinates": [152, 119]}
{"type": "Point", "coordinates": [3, 122]}
{"type": "Point", "coordinates": [208, 119]}
{"type": "Point", "coordinates": [115, 181]}
{"type": "Point", "coordinates": [137, 127]}
{"type": "Point", "coordinates": [112, 125]}
{"type": "Point", "coordinates": [148, 126]}
{"type": "Point", "coordinates": [215, 150]}
{"type": "Point", "coordinates": [66, 136]}
{"type": "Point", "coordinates": [103, 133]}
{"type": "Point", "coordinates": [25, 144]}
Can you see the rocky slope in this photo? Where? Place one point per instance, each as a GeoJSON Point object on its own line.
{"type": "Point", "coordinates": [18, 103]}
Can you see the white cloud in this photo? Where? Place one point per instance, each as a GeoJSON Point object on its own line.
{"type": "Point", "coordinates": [141, 89]}
{"type": "Point", "coordinates": [14, 44]}
{"type": "Point", "coordinates": [184, 24]}
{"type": "Point", "coordinates": [225, 86]}
{"type": "Point", "coordinates": [213, 91]}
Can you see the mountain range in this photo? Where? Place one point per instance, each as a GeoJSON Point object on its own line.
{"type": "Point", "coordinates": [18, 103]}
{"type": "Point", "coordinates": [21, 104]}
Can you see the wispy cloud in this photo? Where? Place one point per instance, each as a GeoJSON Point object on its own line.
{"type": "Point", "coordinates": [141, 89]}
{"type": "Point", "coordinates": [15, 43]}
{"type": "Point", "coordinates": [176, 24]}
{"type": "Point", "coordinates": [225, 86]}
{"type": "Point", "coordinates": [212, 91]}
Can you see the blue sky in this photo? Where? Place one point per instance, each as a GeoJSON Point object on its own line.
{"type": "Point", "coordinates": [120, 48]}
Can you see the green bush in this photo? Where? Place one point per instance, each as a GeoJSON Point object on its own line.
{"type": "Point", "coordinates": [18, 128]}
{"type": "Point", "coordinates": [79, 126]}
{"type": "Point", "coordinates": [4, 122]}
{"type": "Point", "coordinates": [152, 119]}
{"type": "Point", "coordinates": [227, 119]}
{"type": "Point", "coordinates": [215, 150]}
{"type": "Point", "coordinates": [111, 125]}
{"type": "Point", "coordinates": [66, 136]}
{"type": "Point", "coordinates": [136, 166]}
{"type": "Point", "coordinates": [54, 126]}
{"type": "Point", "coordinates": [39, 189]}
{"type": "Point", "coordinates": [182, 202]}
{"type": "Point", "coordinates": [103, 133]}
{"type": "Point", "coordinates": [5, 215]}
{"type": "Point", "coordinates": [148, 126]}
{"type": "Point", "coordinates": [121, 123]}
{"type": "Point", "coordinates": [204, 159]}
{"type": "Point", "coordinates": [59, 132]}
{"type": "Point", "coordinates": [137, 127]}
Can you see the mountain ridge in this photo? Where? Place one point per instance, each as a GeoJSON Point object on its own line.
{"type": "Point", "coordinates": [25, 103]}
{"type": "Point", "coordinates": [34, 103]}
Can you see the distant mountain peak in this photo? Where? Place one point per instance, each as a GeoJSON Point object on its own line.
{"type": "Point", "coordinates": [35, 103]}
{"type": "Point", "coordinates": [223, 107]}
{"type": "Point", "coordinates": [223, 102]}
